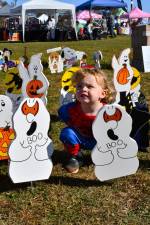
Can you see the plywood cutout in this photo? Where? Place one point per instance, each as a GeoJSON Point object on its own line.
{"type": "Point", "coordinates": [30, 152]}
{"type": "Point", "coordinates": [130, 96]}
{"type": "Point", "coordinates": [67, 92]}
{"type": "Point", "coordinates": [55, 60]}
{"type": "Point", "coordinates": [115, 154]}
{"type": "Point", "coordinates": [35, 83]}
{"type": "Point", "coordinates": [13, 81]}
{"type": "Point", "coordinates": [123, 73]}
{"type": "Point", "coordinates": [6, 130]}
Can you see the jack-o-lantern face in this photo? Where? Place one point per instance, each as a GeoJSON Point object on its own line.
{"type": "Point", "coordinates": [32, 88]}
{"type": "Point", "coordinates": [6, 136]}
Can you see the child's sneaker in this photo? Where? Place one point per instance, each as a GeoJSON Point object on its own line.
{"type": "Point", "coordinates": [72, 165]}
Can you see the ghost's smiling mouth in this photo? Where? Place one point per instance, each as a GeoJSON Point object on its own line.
{"type": "Point", "coordinates": [32, 128]}
{"type": "Point", "coordinates": [112, 135]}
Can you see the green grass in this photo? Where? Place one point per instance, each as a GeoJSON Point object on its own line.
{"type": "Point", "coordinates": [78, 199]}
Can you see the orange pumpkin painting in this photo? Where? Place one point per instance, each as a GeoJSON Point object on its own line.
{"type": "Point", "coordinates": [122, 76]}
{"type": "Point", "coordinates": [6, 136]}
{"type": "Point", "coordinates": [32, 88]}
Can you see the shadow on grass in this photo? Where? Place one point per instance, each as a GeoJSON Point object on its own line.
{"type": "Point", "coordinates": [144, 164]}
{"type": "Point", "coordinates": [8, 185]}
{"type": "Point", "coordinates": [54, 118]}
{"type": "Point", "coordinates": [106, 66]}
{"type": "Point", "coordinates": [61, 157]}
{"type": "Point", "coordinates": [76, 182]}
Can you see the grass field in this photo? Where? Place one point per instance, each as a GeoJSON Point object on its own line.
{"type": "Point", "coordinates": [78, 199]}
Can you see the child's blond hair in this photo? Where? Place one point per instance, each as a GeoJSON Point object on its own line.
{"type": "Point", "coordinates": [101, 79]}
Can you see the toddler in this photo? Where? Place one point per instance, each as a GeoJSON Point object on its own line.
{"type": "Point", "coordinates": [92, 92]}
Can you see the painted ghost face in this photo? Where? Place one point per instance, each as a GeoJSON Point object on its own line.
{"type": "Point", "coordinates": [5, 111]}
{"type": "Point", "coordinates": [5, 104]}
{"type": "Point", "coordinates": [124, 57]}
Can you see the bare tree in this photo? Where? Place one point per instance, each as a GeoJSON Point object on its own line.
{"type": "Point", "coordinates": [14, 3]}
{"type": "Point", "coordinates": [3, 3]}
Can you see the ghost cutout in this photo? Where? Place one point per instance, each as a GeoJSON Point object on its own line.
{"type": "Point", "coordinates": [67, 92]}
{"type": "Point", "coordinates": [6, 112]}
{"type": "Point", "coordinates": [115, 154]}
{"type": "Point", "coordinates": [6, 130]}
{"type": "Point", "coordinates": [35, 83]}
{"type": "Point", "coordinates": [130, 96]}
{"type": "Point", "coordinates": [30, 152]}
{"type": "Point", "coordinates": [123, 73]}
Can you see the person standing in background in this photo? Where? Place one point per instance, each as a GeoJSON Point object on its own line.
{"type": "Point", "coordinates": [51, 28]}
{"type": "Point", "coordinates": [90, 29]}
{"type": "Point", "coordinates": [111, 25]}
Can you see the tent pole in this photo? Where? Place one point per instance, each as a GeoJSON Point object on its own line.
{"type": "Point", "coordinates": [23, 23]}
{"type": "Point", "coordinates": [131, 5]}
{"type": "Point", "coordinates": [90, 11]}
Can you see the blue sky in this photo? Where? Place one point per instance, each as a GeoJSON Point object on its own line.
{"type": "Point", "coordinates": [145, 3]}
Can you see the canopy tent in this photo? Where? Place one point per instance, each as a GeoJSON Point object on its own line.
{"type": "Point", "coordinates": [5, 10]}
{"type": "Point", "coordinates": [85, 14]}
{"type": "Point", "coordinates": [44, 5]}
{"type": "Point", "coordinates": [84, 4]}
{"type": "Point", "coordinates": [136, 13]}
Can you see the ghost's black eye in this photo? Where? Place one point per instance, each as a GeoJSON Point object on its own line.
{"type": "Point", "coordinates": [3, 104]}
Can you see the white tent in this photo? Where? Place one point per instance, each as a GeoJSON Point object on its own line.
{"type": "Point", "coordinates": [44, 4]}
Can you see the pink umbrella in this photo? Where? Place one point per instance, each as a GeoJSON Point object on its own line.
{"type": "Point", "coordinates": [85, 14]}
{"type": "Point", "coordinates": [136, 13]}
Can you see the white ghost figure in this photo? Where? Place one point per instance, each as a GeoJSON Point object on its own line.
{"type": "Point", "coordinates": [30, 152]}
{"type": "Point", "coordinates": [115, 154]}
{"type": "Point", "coordinates": [16, 100]}
{"type": "Point", "coordinates": [123, 73]}
{"type": "Point", "coordinates": [34, 73]}
{"type": "Point", "coordinates": [6, 112]}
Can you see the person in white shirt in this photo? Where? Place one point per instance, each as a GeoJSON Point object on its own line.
{"type": "Point", "coordinates": [51, 28]}
{"type": "Point", "coordinates": [90, 29]}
